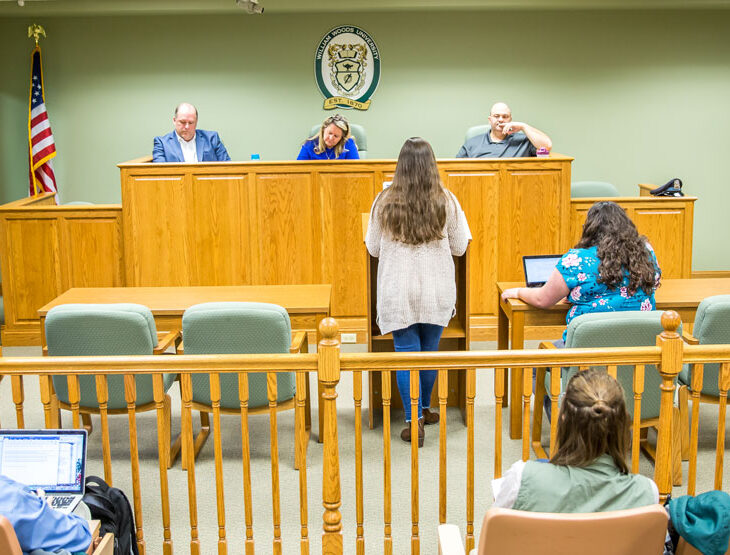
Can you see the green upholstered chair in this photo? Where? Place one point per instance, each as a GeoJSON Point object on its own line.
{"type": "Point", "coordinates": [587, 189]}
{"type": "Point", "coordinates": [103, 330]}
{"type": "Point", "coordinates": [711, 327]}
{"type": "Point", "coordinates": [358, 134]}
{"type": "Point", "coordinates": [607, 329]}
{"type": "Point", "coordinates": [476, 130]}
{"type": "Point", "coordinates": [240, 328]}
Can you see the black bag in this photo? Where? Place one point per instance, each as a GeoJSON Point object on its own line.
{"type": "Point", "coordinates": [672, 188]}
{"type": "Point", "coordinates": [111, 507]}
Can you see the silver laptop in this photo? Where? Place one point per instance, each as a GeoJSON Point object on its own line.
{"type": "Point", "coordinates": [50, 461]}
{"type": "Point", "coordinates": [538, 268]}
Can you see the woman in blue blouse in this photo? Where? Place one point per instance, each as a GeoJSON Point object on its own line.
{"type": "Point", "coordinates": [612, 268]}
{"type": "Point", "coordinates": [333, 142]}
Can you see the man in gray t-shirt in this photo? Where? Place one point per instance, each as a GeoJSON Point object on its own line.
{"type": "Point", "coordinates": [505, 138]}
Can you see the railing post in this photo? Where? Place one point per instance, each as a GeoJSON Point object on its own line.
{"type": "Point", "coordinates": [671, 363]}
{"type": "Point", "coordinates": [328, 373]}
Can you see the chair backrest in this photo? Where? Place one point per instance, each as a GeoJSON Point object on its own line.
{"type": "Point", "coordinates": [8, 540]}
{"type": "Point", "coordinates": [629, 532]}
{"type": "Point", "coordinates": [476, 130]}
{"type": "Point", "coordinates": [621, 329]}
{"type": "Point", "coordinates": [583, 189]}
{"type": "Point", "coordinates": [712, 327]}
{"type": "Point", "coordinates": [358, 134]}
{"type": "Point", "coordinates": [238, 328]}
{"type": "Point", "coordinates": [98, 330]}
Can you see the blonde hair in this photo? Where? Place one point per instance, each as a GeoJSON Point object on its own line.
{"type": "Point", "coordinates": [593, 421]}
{"type": "Point", "coordinates": [340, 122]}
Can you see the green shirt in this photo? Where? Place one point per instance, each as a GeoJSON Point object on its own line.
{"type": "Point", "coordinates": [598, 487]}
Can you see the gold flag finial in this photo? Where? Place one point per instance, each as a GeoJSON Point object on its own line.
{"type": "Point", "coordinates": [36, 31]}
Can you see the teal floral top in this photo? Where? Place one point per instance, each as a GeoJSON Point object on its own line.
{"type": "Point", "coordinates": [579, 268]}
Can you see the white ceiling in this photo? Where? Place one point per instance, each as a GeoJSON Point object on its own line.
{"type": "Point", "coordinates": [10, 8]}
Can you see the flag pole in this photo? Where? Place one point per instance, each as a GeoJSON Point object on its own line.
{"type": "Point", "coordinates": [35, 31]}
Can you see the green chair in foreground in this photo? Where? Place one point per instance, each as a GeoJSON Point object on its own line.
{"type": "Point", "coordinates": [105, 330]}
{"type": "Point", "coordinates": [243, 328]}
{"type": "Point", "coordinates": [701, 382]}
{"type": "Point", "coordinates": [609, 329]}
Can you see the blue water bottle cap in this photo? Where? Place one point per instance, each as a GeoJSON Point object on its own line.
{"type": "Point", "coordinates": [255, 157]}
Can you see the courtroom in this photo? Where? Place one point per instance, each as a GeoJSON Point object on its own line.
{"type": "Point", "coordinates": [416, 276]}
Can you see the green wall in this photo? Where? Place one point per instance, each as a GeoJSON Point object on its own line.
{"type": "Point", "coordinates": [634, 96]}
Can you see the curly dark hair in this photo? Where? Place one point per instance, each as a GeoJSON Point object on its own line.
{"type": "Point", "coordinates": [620, 248]}
{"type": "Point", "coordinates": [413, 209]}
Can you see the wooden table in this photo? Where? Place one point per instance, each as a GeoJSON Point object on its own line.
{"type": "Point", "coordinates": [682, 295]}
{"type": "Point", "coordinates": [307, 305]}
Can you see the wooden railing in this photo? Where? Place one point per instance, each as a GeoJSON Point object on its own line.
{"type": "Point", "coordinates": [329, 363]}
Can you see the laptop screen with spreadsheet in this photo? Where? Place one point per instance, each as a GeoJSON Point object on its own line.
{"type": "Point", "coordinates": [51, 460]}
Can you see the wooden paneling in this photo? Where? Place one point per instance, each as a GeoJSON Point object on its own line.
{"type": "Point", "coordinates": [46, 249]}
{"type": "Point", "coordinates": [530, 219]}
{"type": "Point", "coordinates": [218, 230]}
{"type": "Point", "coordinates": [155, 230]}
{"type": "Point", "coordinates": [299, 222]}
{"type": "Point", "coordinates": [344, 269]}
{"type": "Point", "coordinates": [478, 194]}
{"type": "Point", "coordinates": [287, 229]}
{"type": "Point", "coordinates": [666, 221]}
{"type": "Point", "coordinates": [31, 256]}
{"type": "Point", "coordinates": [89, 247]}
{"type": "Point", "coordinates": [666, 229]}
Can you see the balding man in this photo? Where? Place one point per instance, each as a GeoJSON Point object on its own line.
{"type": "Point", "coordinates": [505, 138]}
{"type": "Point", "coordinates": [186, 143]}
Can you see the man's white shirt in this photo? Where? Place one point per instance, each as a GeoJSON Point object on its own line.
{"type": "Point", "coordinates": [190, 152]}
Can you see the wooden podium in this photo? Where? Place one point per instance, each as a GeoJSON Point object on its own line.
{"type": "Point", "coordinates": [456, 337]}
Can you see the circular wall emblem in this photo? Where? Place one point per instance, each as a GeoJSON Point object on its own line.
{"type": "Point", "coordinates": [347, 68]}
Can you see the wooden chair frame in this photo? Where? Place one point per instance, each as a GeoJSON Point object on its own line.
{"type": "Point", "coordinates": [165, 340]}
{"type": "Point", "coordinates": [299, 342]}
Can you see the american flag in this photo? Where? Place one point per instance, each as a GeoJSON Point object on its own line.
{"type": "Point", "coordinates": [41, 148]}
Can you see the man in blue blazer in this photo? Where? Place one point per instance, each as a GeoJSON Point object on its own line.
{"type": "Point", "coordinates": [186, 144]}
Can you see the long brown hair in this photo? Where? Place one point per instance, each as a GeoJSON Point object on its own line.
{"type": "Point", "coordinates": [413, 209]}
{"type": "Point", "coordinates": [593, 421]}
{"type": "Point", "coordinates": [620, 247]}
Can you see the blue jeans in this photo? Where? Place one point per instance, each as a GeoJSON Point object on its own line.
{"type": "Point", "coordinates": [416, 337]}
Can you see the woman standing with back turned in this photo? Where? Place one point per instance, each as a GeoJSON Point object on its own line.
{"type": "Point", "coordinates": [415, 227]}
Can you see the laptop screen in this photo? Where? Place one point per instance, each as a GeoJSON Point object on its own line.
{"type": "Point", "coordinates": [539, 268]}
{"type": "Point", "coordinates": [52, 460]}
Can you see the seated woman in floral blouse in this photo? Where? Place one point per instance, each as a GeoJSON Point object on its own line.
{"type": "Point", "coordinates": [612, 268]}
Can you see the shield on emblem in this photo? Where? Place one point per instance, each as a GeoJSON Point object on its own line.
{"type": "Point", "coordinates": [347, 74]}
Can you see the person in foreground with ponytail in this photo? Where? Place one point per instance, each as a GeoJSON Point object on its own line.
{"type": "Point", "coordinates": [588, 471]}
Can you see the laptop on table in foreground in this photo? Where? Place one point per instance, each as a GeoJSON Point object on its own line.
{"type": "Point", "coordinates": [53, 462]}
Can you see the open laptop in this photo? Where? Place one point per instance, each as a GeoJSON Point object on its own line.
{"type": "Point", "coordinates": [53, 461]}
{"type": "Point", "coordinates": [538, 268]}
